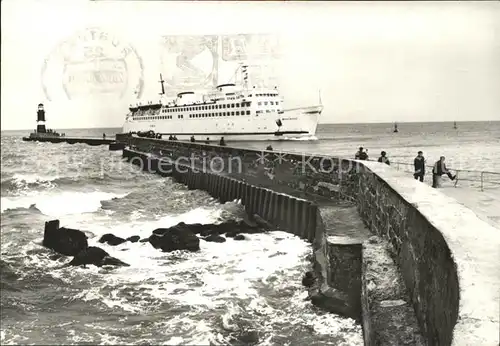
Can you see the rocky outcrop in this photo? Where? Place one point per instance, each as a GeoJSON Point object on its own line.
{"type": "Point", "coordinates": [309, 279]}
{"type": "Point", "coordinates": [96, 256]}
{"type": "Point", "coordinates": [112, 239]}
{"type": "Point", "coordinates": [133, 239]}
{"type": "Point", "coordinates": [178, 237]}
{"type": "Point", "coordinates": [183, 236]}
{"type": "Point", "coordinates": [73, 242]}
{"type": "Point", "coordinates": [230, 228]}
{"type": "Point", "coordinates": [66, 241]}
{"type": "Point", "coordinates": [214, 238]}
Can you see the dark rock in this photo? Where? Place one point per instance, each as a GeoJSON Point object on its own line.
{"type": "Point", "coordinates": [231, 234]}
{"type": "Point", "coordinates": [230, 225]}
{"type": "Point", "coordinates": [239, 237]}
{"type": "Point", "coordinates": [309, 279]}
{"type": "Point", "coordinates": [134, 239]}
{"type": "Point", "coordinates": [245, 226]}
{"type": "Point", "coordinates": [111, 239]}
{"type": "Point", "coordinates": [174, 238]}
{"type": "Point", "coordinates": [96, 256]}
{"type": "Point", "coordinates": [207, 232]}
{"type": "Point", "coordinates": [214, 238]}
{"type": "Point", "coordinates": [66, 241]}
{"type": "Point", "coordinates": [144, 240]}
{"type": "Point", "coordinates": [249, 337]}
{"type": "Point", "coordinates": [196, 228]}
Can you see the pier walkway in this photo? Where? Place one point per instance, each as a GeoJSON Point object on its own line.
{"type": "Point", "coordinates": [478, 191]}
{"type": "Point", "coordinates": [485, 204]}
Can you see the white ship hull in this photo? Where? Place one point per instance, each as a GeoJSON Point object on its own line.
{"type": "Point", "coordinates": [298, 123]}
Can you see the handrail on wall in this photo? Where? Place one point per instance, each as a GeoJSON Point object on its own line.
{"type": "Point", "coordinates": [480, 174]}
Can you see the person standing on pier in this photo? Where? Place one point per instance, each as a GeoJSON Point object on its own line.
{"type": "Point", "coordinates": [361, 155]}
{"type": "Point", "coordinates": [383, 158]}
{"type": "Point", "coordinates": [103, 136]}
{"type": "Point", "coordinates": [438, 170]}
{"type": "Point", "coordinates": [222, 143]}
{"type": "Point", "coordinates": [192, 139]}
{"type": "Point", "coordinates": [419, 164]}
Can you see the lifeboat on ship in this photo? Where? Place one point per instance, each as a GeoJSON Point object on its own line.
{"type": "Point", "coordinates": [155, 106]}
{"type": "Point", "coordinates": [144, 107]}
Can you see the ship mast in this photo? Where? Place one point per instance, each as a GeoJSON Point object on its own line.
{"type": "Point", "coordinates": [162, 85]}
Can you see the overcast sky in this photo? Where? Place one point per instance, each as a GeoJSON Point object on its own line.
{"type": "Point", "coordinates": [373, 62]}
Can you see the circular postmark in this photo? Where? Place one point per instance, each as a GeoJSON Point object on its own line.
{"type": "Point", "coordinates": [92, 63]}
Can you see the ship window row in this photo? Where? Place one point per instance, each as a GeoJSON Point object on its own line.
{"type": "Point", "coordinates": [220, 114]}
{"type": "Point", "coordinates": [152, 118]}
{"type": "Point", "coordinates": [205, 115]}
{"type": "Point", "coordinates": [265, 95]}
{"type": "Point", "coordinates": [206, 108]}
{"type": "Point", "coordinates": [272, 103]}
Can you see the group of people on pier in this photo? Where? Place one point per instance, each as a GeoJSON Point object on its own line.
{"type": "Point", "coordinates": [222, 142]}
{"type": "Point", "coordinates": [438, 170]}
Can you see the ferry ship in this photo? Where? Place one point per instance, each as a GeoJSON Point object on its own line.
{"type": "Point", "coordinates": [235, 112]}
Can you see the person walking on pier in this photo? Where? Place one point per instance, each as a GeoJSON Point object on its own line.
{"type": "Point", "coordinates": [438, 170]}
{"type": "Point", "coordinates": [419, 164]}
{"type": "Point", "coordinates": [383, 158]}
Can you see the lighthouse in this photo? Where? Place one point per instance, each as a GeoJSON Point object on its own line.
{"type": "Point", "coordinates": [40, 120]}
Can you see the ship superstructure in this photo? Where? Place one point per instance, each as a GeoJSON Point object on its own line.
{"type": "Point", "coordinates": [233, 111]}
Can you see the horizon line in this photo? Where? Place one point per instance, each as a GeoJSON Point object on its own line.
{"type": "Point", "coordinates": [333, 123]}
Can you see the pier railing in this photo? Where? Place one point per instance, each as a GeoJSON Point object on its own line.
{"type": "Point", "coordinates": [479, 179]}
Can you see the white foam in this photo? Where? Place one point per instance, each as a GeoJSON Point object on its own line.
{"type": "Point", "coordinates": [207, 279]}
{"type": "Point", "coordinates": [61, 203]}
{"type": "Point", "coordinates": [302, 138]}
{"type": "Point", "coordinates": [231, 278]}
{"type": "Point", "coordinates": [32, 178]}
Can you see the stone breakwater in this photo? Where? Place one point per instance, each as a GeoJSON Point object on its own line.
{"type": "Point", "coordinates": [424, 267]}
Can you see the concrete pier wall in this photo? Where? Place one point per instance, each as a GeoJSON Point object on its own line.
{"type": "Point", "coordinates": [445, 257]}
